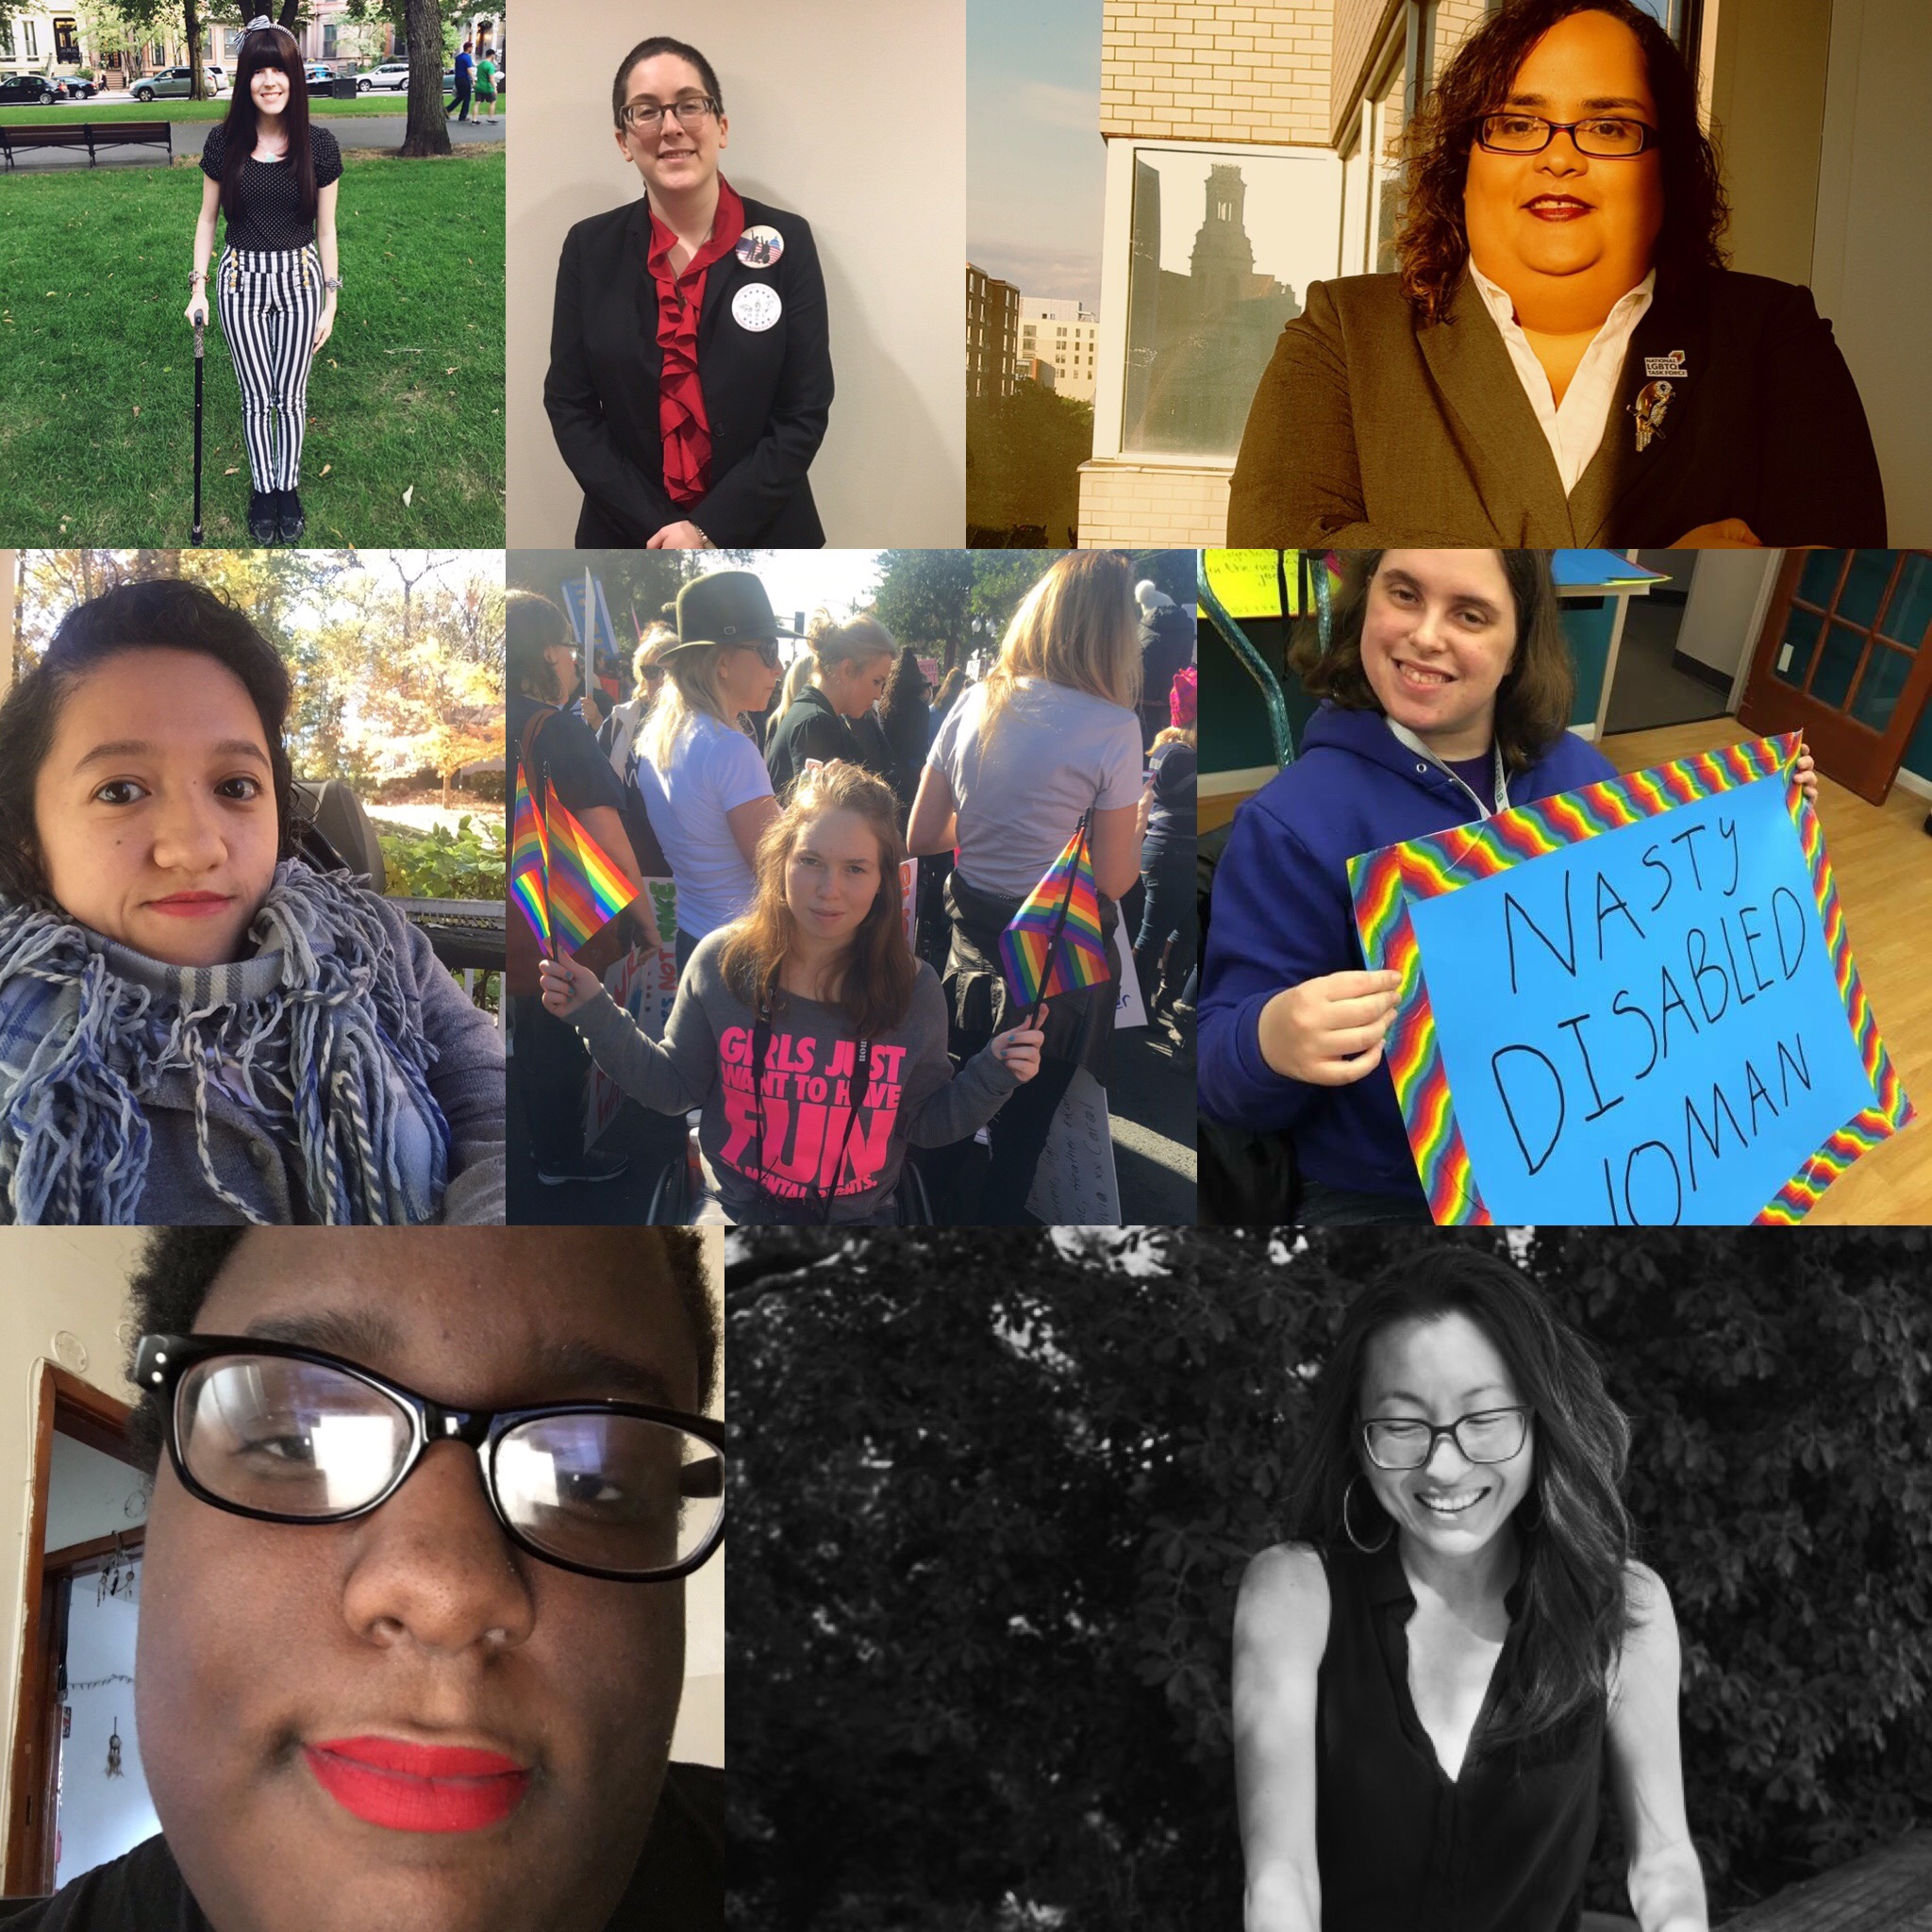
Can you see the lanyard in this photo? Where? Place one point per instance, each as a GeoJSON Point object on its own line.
{"type": "Point", "coordinates": [822, 1197]}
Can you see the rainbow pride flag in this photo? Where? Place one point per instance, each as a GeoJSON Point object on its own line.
{"type": "Point", "coordinates": [586, 890]}
{"type": "Point", "coordinates": [530, 863]}
{"type": "Point", "coordinates": [1054, 943]}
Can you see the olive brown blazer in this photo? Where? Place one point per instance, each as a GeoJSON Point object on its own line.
{"type": "Point", "coordinates": [767, 391]}
{"type": "Point", "coordinates": [1374, 427]}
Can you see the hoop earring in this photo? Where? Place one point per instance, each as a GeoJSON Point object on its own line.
{"type": "Point", "coordinates": [1367, 1549]}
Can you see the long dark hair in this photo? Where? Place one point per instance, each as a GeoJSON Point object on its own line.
{"type": "Point", "coordinates": [532, 624]}
{"type": "Point", "coordinates": [271, 46]}
{"type": "Point", "coordinates": [1533, 701]}
{"type": "Point", "coordinates": [162, 613]}
{"type": "Point", "coordinates": [903, 688]}
{"type": "Point", "coordinates": [1433, 244]}
{"type": "Point", "coordinates": [1575, 1532]}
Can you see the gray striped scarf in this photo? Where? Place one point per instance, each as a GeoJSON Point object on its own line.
{"type": "Point", "coordinates": [315, 1034]}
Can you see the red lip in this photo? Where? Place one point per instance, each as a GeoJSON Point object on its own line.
{"type": "Point", "coordinates": [192, 905]}
{"type": "Point", "coordinates": [405, 1787]}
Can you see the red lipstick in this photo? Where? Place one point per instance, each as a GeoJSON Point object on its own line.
{"type": "Point", "coordinates": [191, 905]}
{"type": "Point", "coordinates": [418, 1787]}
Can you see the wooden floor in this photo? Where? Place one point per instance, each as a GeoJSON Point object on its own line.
{"type": "Point", "coordinates": [1881, 856]}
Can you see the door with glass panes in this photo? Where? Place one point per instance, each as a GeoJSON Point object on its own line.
{"type": "Point", "coordinates": [1844, 657]}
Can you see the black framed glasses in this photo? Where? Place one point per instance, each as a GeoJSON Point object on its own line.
{"type": "Point", "coordinates": [647, 117]}
{"type": "Point", "coordinates": [767, 649]}
{"type": "Point", "coordinates": [1603, 136]}
{"type": "Point", "coordinates": [1488, 1435]}
{"type": "Point", "coordinates": [284, 1434]}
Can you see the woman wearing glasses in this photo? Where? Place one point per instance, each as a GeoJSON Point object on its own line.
{"type": "Point", "coordinates": [1432, 1677]}
{"type": "Point", "coordinates": [1563, 358]}
{"type": "Point", "coordinates": [412, 1604]}
{"type": "Point", "coordinates": [689, 375]}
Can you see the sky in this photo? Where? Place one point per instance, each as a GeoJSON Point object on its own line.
{"type": "Point", "coordinates": [1036, 169]}
{"type": "Point", "coordinates": [802, 581]}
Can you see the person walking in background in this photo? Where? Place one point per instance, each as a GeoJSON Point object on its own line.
{"type": "Point", "coordinates": [1167, 647]}
{"type": "Point", "coordinates": [485, 81]}
{"type": "Point", "coordinates": [1050, 738]}
{"type": "Point", "coordinates": [908, 724]}
{"type": "Point", "coordinates": [850, 662]}
{"type": "Point", "coordinates": [547, 737]}
{"type": "Point", "coordinates": [273, 174]}
{"type": "Point", "coordinates": [704, 784]}
{"type": "Point", "coordinates": [466, 73]}
{"type": "Point", "coordinates": [1164, 950]}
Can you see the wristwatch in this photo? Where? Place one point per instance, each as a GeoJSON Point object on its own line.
{"type": "Point", "coordinates": [331, 281]}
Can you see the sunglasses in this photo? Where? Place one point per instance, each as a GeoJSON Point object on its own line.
{"type": "Point", "coordinates": [283, 1434]}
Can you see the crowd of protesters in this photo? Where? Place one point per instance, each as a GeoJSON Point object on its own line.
{"type": "Point", "coordinates": [814, 1046]}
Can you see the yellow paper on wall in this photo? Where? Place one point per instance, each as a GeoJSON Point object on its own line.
{"type": "Point", "coordinates": [1247, 582]}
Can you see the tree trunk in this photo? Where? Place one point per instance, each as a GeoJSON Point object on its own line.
{"type": "Point", "coordinates": [190, 23]}
{"type": "Point", "coordinates": [429, 130]}
{"type": "Point", "coordinates": [291, 11]}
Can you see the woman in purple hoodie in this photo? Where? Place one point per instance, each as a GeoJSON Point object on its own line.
{"type": "Point", "coordinates": [1448, 689]}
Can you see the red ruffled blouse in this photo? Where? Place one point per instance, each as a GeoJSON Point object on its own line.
{"type": "Point", "coordinates": [681, 420]}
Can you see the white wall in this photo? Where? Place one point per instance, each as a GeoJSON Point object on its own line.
{"type": "Point", "coordinates": [61, 1296]}
{"type": "Point", "coordinates": [101, 1817]}
{"type": "Point", "coordinates": [882, 182]}
{"type": "Point", "coordinates": [1720, 618]}
{"type": "Point", "coordinates": [1871, 272]}
{"type": "Point", "coordinates": [90, 1494]}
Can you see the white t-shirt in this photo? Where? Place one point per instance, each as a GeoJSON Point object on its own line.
{"type": "Point", "coordinates": [714, 770]}
{"type": "Point", "coordinates": [1052, 755]}
{"type": "Point", "coordinates": [1576, 426]}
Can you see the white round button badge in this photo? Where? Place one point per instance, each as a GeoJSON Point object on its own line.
{"type": "Point", "coordinates": [757, 307]}
{"type": "Point", "coordinates": [760, 246]}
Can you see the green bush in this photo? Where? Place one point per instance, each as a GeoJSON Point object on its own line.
{"type": "Point", "coordinates": [980, 1637]}
{"type": "Point", "coordinates": [472, 862]}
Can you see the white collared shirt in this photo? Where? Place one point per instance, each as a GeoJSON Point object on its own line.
{"type": "Point", "coordinates": [1575, 427]}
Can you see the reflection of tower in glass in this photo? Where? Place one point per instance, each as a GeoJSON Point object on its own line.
{"type": "Point", "coordinates": [1213, 328]}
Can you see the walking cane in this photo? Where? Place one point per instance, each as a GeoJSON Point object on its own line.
{"type": "Point", "coordinates": [200, 344]}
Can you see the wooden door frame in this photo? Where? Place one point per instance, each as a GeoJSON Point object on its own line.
{"type": "Point", "coordinates": [92, 1416]}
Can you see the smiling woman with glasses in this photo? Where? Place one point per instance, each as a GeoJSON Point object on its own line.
{"type": "Point", "coordinates": [1432, 1677]}
{"type": "Point", "coordinates": [691, 375]}
{"type": "Point", "coordinates": [1562, 356]}
{"type": "Point", "coordinates": [411, 1636]}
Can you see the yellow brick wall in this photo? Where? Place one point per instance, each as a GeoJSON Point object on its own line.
{"type": "Point", "coordinates": [1360, 27]}
{"type": "Point", "coordinates": [1225, 71]}
{"type": "Point", "coordinates": [1150, 504]}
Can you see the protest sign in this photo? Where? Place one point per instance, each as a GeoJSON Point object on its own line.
{"type": "Point", "coordinates": [1075, 1185]}
{"type": "Point", "coordinates": [1129, 1008]}
{"type": "Point", "coordinates": [1631, 1003]}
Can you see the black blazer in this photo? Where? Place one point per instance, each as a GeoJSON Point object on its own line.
{"type": "Point", "coordinates": [1372, 427]}
{"type": "Point", "coordinates": [767, 391]}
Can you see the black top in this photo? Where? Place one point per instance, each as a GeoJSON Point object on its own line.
{"type": "Point", "coordinates": [908, 731]}
{"type": "Point", "coordinates": [267, 196]}
{"type": "Point", "coordinates": [678, 1884]}
{"type": "Point", "coordinates": [1167, 648]}
{"type": "Point", "coordinates": [809, 729]}
{"type": "Point", "coordinates": [1176, 769]}
{"type": "Point", "coordinates": [768, 391]}
{"type": "Point", "coordinates": [1502, 1848]}
{"type": "Point", "coordinates": [580, 771]}
{"type": "Point", "coordinates": [1373, 428]}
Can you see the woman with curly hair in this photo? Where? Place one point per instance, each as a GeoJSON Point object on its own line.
{"type": "Point", "coordinates": [1433, 1674]}
{"type": "Point", "coordinates": [1563, 357]}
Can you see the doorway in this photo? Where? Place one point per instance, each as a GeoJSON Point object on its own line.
{"type": "Point", "coordinates": [80, 1797]}
{"type": "Point", "coordinates": [1680, 645]}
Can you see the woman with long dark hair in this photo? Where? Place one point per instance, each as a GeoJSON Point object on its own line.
{"type": "Point", "coordinates": [1432, 1674]}
{"type": "Point", "coordinates": [807, 1031]}
{"type": "Point", "coordinates": [1562, 356]}
{"type": "Point", "coordinates": [273, 174]}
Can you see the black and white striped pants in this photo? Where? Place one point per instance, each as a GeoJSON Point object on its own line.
{"type": "Point", "coordinates": [270, 301]}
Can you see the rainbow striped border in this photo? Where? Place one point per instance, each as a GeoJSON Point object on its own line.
{"type": "Point", "coordinates": [1383, 882]}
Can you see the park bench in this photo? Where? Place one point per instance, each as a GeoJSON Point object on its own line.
{"type": "Point", "coordinates": [92, 135]}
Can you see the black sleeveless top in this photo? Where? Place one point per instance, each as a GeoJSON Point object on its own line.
{"type": "Point", "coordinates": [1502, 1848]}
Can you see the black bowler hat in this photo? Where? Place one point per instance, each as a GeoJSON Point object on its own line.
{"type": "Point", "coordinates": [729, 607]}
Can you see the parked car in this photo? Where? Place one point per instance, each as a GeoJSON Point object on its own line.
{"type": "Point", "coordinates": [318, 72]}
{"type": "Point", "coordinates": [77, 86]}
{"type": "Point", "coordinates": [394, 74]}
{"type": "Point", "coordinates": [31, 89]}
{"type": "Point", "coordinates": [172, 83]}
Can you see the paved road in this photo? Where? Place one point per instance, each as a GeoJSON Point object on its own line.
{"type": "Point", "coordinates": [352, 130]}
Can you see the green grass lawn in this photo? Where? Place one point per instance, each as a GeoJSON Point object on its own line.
{"type": "Point", "coordinates": [182, 109]}
{"type": "Point", "coordinates": [97, 363]}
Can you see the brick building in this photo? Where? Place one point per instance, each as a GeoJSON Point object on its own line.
{"type": "Point", "coordinates": [993, 333]}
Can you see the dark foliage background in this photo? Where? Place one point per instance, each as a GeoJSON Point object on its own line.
{"type": "Point", "coordinates": [998, 1490]}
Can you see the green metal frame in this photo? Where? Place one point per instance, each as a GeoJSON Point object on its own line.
{"type": "Point", "coordinates": [1273, 699]}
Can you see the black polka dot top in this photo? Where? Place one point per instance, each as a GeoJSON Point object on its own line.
{"type": "Point", "coordinates": [268, 199]}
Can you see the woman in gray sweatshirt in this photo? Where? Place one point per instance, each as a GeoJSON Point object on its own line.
{"type": "Point", "coordinates": [807, 1032]}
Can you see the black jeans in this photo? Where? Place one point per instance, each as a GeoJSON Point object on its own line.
{"type": "Point", "coordinates": [549, 1066]}
{"type": "Point", "coordinates": [1169, 877]}
{"type": "Point", "coordinates": [460, 106]}
{"type": "Point", "coordinates": [1019, 1133]}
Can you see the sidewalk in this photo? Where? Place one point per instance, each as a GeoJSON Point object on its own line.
{"type": "Point", "coordinates": [1885, 1890]}
{"type": "Point", "coordinates": [354, 132]}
